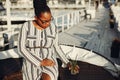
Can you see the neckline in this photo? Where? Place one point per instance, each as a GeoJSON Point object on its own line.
{"type": "Point", "coordinates": [37, 26]}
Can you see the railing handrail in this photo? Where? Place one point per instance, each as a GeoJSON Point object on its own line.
{"type": "Point", "coordinates": [62, 22]}
{"type": "Point", "coordinates": [67, 20]}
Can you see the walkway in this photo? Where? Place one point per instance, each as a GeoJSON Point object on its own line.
{"type": "Point", "coordinates": [94, 35]}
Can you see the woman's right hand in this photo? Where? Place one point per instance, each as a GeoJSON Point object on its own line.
{"type": "Point", "coordinates": [47, 62]}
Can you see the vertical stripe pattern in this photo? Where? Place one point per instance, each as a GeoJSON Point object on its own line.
{"type": "Point", "coordinates": [36, 45]}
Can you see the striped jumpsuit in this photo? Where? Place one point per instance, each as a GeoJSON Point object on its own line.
{"type": "Point", "coordinates": [36, 45]}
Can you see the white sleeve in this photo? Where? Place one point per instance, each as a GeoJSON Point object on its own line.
{"type": "Point", "coordinates": [59, 51]}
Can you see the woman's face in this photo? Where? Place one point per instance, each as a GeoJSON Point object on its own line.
{"type": "Point", "coordinates": [44, 19]}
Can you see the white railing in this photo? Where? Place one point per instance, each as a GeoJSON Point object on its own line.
{"type": "Point", "coordinates": [68, 20]}
{"type": "Point", "coordinates": [62, 22]}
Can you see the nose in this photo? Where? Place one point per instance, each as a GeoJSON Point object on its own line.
{"type": "Point", "coordinates": [47, 24]}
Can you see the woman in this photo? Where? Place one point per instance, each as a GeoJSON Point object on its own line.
{"type": "Point", "coordinates": [38, 43]}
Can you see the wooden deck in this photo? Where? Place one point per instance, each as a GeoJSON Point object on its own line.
{"type": "Point", "coordinates": [94, 34]}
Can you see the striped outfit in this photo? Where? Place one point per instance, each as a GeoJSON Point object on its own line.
{"type": "Point", "coordinates": [36, 45]}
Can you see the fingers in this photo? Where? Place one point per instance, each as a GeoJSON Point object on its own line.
{"type": "Point", "coordinates": [47, 62]}
{"type": "Point", "coordinates": [52, 64]}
